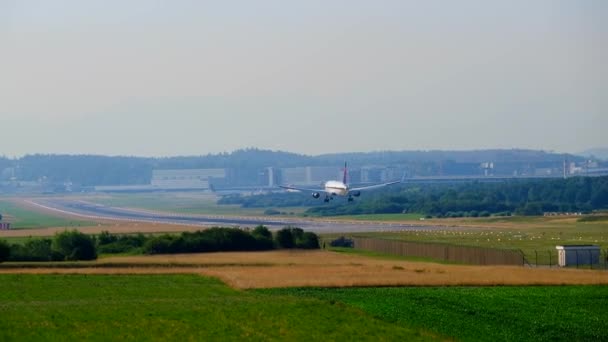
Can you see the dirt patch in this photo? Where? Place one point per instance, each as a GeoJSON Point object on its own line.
{"type": "Point", "coordinates": [275, 258]}
{"type": "Point", "coordinates": [327, 269]}
{"type": "Point", "coordinates": [402, 275]}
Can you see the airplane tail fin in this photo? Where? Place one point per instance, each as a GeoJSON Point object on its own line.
{"type": "Point", "coordinates": [345, 176]}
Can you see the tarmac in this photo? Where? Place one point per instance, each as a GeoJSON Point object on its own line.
{"type": "Point", "coordinates": [89, 210]}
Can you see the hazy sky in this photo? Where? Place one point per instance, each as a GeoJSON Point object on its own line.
{"type": "Point", "coordinates": [159, 78]}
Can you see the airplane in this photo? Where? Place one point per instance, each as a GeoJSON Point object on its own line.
{"type": "Point", "coordinates": [338, 188]}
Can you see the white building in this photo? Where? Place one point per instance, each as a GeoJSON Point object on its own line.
{"type": "Point", "coordinates": [309, 175]}
{"type": "Point", "coordinates": [185, 179]}
{"type": "Point", "coordinates": [574, 255]}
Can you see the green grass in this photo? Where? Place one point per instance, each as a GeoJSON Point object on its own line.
{"type": "Point", "coordinates": [385, 256]}
{"type": "Point", "coordinates": [529, 235]}
{"type": "Point", "coordinates": [22, 218]}
{"type": "Point", "coordinates": [183, 203]}
{"type": "Point", "coordinates": [594, 218]}
{"type": "Point", "coordinates": [176, 308]}
{"type": "Point", "coordinates": [381, 217]}
{"type": "Point", "coordinates": [567, 313]}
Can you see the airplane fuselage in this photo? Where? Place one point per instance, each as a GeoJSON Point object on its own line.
{"type": "Point", "coordinates": [336, 188]}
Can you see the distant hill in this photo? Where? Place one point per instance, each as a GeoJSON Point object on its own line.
{"type": "Point", "coordinates": [90, 170]}
{"type": "Point", "coordinates": [470, 156]}
{"type": "Point", "coordinates": [600, 152]}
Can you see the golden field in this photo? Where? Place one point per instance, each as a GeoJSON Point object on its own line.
{"type": "Point", "coordinates": [326, 269]}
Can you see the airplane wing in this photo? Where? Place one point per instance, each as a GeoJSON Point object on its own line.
{"type": "Point", "coordinates": [300, 189]}
{"type": "Point", "coordinates": [375, 186]}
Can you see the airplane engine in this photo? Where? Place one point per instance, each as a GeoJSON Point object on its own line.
{"type": "Point", "coordinates": [356, 193]}
{"type": "Point", "coordinates": [316, 195]}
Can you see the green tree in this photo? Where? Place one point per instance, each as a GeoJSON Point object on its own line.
{"type": "Point", "coordinates": [159, 245]}
{"type": "Point", "coordinates": [284, 238]}
{"type": "Point", "coordinates": [600, 197]}
{"type": "Point", "coordinates": [38, 250]}
{"type": "Point", "coordinates": [74, 245]}
{"type": "Point", "coordinates": [308, 240]}
{"type": "Point", "coordinates": [106, 238]}
{"type": "Point", "coordinates": [263, 236]}
{"type": "Point", "coordinates": [531, 209]}
{"type": "Point", "coordinates": [5, 250]}
{"type": "Point", "coordinates": [261, 231]}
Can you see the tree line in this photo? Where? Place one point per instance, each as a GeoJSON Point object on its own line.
{"type": "Point", "coordinates": [90, 170]}
{"type": "Point", "coordinates": [522, 197]}
{"type": "Point", "coordinates": [74, 245]}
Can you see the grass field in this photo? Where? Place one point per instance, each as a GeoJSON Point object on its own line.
{"type": "Point", "coordinates": [192, 307]}
{"type": "Point", "coordinates": [570, 313]}
{"type": "Point", "coordinates": [170, 297]}
{"type": "Point", "coordinates": [22, 217]}
{"type": "Point", "coordinates": [174, 307]}
{"type": "Point", "coordinates": [112, 227]}
{"type": "Point", "coordinates": [528, 234]}
{"type": "Point", "coordinates": [535, 236]}
{"type": "Point", "coordinates": [381, 217]}
{"type": "Point", "coordinates": [184, 203]}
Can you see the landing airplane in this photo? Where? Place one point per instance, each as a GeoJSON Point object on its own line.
{"type": "Point", "coordinates": [338, 188]}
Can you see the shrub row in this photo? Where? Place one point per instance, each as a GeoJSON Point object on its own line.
{"type": "Point", "coordinates": [74, 245]}
{"type": "Point", "coordinates": [231, 239]}
{"type": "Point", "coordinates": [67, 245]}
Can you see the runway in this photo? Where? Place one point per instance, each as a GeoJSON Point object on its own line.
{"type": "Point", "coordinates": [95, 211]}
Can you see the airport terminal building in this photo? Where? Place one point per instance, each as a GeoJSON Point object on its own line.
{"type": "Point", "coordinates": [185, 179]}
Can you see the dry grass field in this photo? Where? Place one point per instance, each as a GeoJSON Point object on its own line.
{"type": "Point", "coordinates": [274, 269]}
{"type": "Point", "coordinates": [112, 227]}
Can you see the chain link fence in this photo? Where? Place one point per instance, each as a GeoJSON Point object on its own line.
{"type": "Point", "coordinates": [442, 252]}
{"type": "Point", "coordinates": [576, 259]}
{"type": "Point", "coordinates": [481, 255]}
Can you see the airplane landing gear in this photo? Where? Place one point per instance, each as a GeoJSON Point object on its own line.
{"type": "Point", "coordinates": [350, 198]}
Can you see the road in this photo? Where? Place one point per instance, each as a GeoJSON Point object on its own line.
{"type": "Point", "coordinates": [101, 212]}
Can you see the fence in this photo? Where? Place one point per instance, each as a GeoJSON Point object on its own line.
{"type": "Point", "coordinates": [577, 259]}
{"type": "Point", "coordinates": [450, 253]}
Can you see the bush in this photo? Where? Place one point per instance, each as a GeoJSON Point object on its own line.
{"type": "Point", "coordinates": [5, 250]}
{"type": "Point", "coordinates": [229, 239]}
{"type": "Point", "coordinates": [109, 243]}
{"type": "Point", "coordinates": [264, 244]}
{"type": "Point", "coordinates": [263, 238]}
{"type": "Point", "coordinates": [211, 240]}
{"type": "Point", "coordinates": [261, 231]}
{"type": "Point", "coordinates": [159, 245]}
{"type": "Point", "coordinates": [106, 238]}
{"type": "Point", "coordinates": [308, 240]}
{"type": "Point", "coordinates": [271, 212]}
{"type": "Point", "coordinates": [38, 250]}
{"type": "Point", "coordinates": [294, 237]}
{"type": "Point", "coordinates": [284, 238]}
{"type": "Point", "coordinates": [342, 242]}
{"type": "Point", "coordinates": [116, 247]}
{"type": "Point", "coordinates": [74, 245]}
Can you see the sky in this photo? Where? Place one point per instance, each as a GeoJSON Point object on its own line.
{"type": "Point", "coordinates": [165, 78]}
